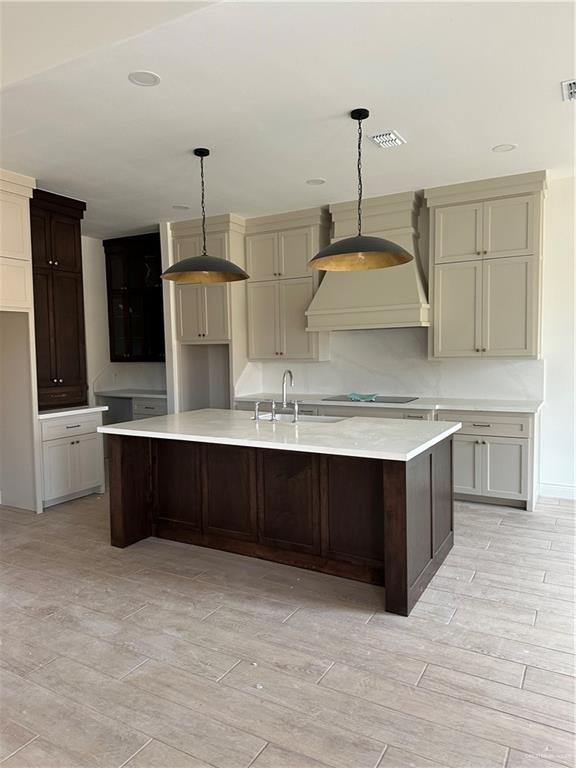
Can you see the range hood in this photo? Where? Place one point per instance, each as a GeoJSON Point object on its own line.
{"type": "Point", "coordinates": [377, 298]}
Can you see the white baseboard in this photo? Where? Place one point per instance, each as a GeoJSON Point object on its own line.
{"type": "Point", "coordinates": [556, 491]}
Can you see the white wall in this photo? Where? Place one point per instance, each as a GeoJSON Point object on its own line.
{"type": "Point", "coordinates": [102, 374]}
{"type": "Point", "coordinates": [558, 454]}
{"type": "Point", "coordinates": [17, 417]}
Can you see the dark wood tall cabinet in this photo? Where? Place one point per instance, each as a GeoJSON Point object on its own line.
{"type": "Point", "coordinates": [135, 310]}
{"type": "Point", "coordinates": [58, 300]}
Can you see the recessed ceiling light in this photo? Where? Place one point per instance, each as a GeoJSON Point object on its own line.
{"type": "Point", "coordinates": [180, 207]}
{"type": "Point", "coordinates": [504, 147]}
{"type": "Point", "coordinates": [142, 77]}
{"type": "Point", "coordinates": [388, 139]}
{"type": "Point", "coordinates": [316, 182]}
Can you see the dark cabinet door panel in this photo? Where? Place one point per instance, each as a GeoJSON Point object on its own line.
{"type": "Point", "coordinates": [135, 303]}
{"type": "Point", "coordinates": [41, 238]}
{"type": "Point", "coordinates": [354, 529]}
{"type": "Point", "coordinates": [177, 482]}
{"type": "Point", "coordinates": [229, 491]}
{"type": "Point", "coordinates": [43, 320]}
{"type": "Point", "coordinates": [289, 500]}
{"type": "Point", "coordinates": [69, 329]}
{"type": "Point", "coordinates": [58, 299]}
{"type": "Point", "coordinates": [65, 237]}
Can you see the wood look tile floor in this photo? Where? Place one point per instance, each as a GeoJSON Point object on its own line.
{"type": "Point", "coordinates": [164, 655]}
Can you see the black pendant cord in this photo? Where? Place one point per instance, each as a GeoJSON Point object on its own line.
{"type": "Point", "coordinates": [359, 178]}
{"type": "Point", "coordinates": [204, 253]}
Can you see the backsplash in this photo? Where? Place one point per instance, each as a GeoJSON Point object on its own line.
{"type": "Point", "coordinates": [131, 375]}
{"type": "Point", "coordinates": [395, 362]}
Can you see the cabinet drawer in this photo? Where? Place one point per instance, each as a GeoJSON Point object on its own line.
{"type": "Point", "coordinates": [374, 411]}
{"type": "Point", "coordinates": [483, 423]}
{"type": "Point", "coordinates": [56, 397]}
{"type": "Point", "coordinates": [148, 406]}
{"type": "Point", "coordinates": [68, 426]}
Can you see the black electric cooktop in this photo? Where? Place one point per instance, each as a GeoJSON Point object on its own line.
{"type": "Point", "coordinates": [377, 399]}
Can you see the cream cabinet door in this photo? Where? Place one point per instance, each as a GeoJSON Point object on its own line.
{"type": "Point", "coordinates": [508, 227]}
{"type": "Point", "coordinates": [190, 303]}
{"type": "Point", "coordinates": [58, 468]}
{"type": "Point", "coordinates": [263, 336]}
{"type": "Point", "coordinates": [187, 247]}
{"type": "Point", "coordinates": [15, 284]}
{"type": "Point", "coordinates": [88, 461]}
{"type": "Point", "coordinates": [457, 233]}
{"type": "Point", "coordinates": [505, 472]}
{"type": "Point", "coordinates": [294, 299]}
{"type": "Point", "coordinates": [295, 251]}
{"type": "Point", "coordinates": [458, 309]}
{"type": "Point", "coordinates": [467, 458]}
{"type": "Point", "coordinates": [216, 314]}
{"type": "Point", "coordinates": [509, 311]}
{"type": "Point", "coordinates": [262, 262]}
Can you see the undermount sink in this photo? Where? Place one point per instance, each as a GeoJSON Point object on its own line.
{"type": "Point", "coordinates": [287, 417]}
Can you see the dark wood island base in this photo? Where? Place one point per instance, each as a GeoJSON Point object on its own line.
{"type": "Point", "coordinates": [383, 522]}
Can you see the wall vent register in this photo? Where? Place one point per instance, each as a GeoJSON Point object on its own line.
{"type": "Point", "coordinates": [569, 90]}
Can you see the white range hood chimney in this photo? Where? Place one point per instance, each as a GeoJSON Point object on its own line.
{"type": "Point", "coordinates": [376, 298]}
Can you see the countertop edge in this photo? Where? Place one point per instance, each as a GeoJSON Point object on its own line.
{"type": "Point", "coordinates": [53, 414]}
{"type": "Point", "coordinates": [243, 443]}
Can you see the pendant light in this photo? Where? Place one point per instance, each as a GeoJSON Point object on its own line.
{"type": "Point", "coordinates": [359, 252]}
{"type": "Point", "coordinates": [204, 268]}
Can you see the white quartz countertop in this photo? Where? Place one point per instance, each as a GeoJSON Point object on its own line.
{"type": "Point", "coordinates": [390, 439]}
{"type": "Point", "coordinates": [422, 403]}
{"type": "Point", "coordinates": [57, 412]}
{"type": "Point", "coordinates": [128, 393]}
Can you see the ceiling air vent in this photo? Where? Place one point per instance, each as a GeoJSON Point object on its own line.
{"type": "Point", "coordinates": [388, 139]}
{"type": "Point", "coordinates": [569, 90]}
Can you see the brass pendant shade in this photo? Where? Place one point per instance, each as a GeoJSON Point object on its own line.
{"type": "Point", "coordinates": [204, 268]}
{"type": "Point", "coordinates": [361, 251]}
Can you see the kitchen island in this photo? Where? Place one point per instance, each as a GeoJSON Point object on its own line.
{"type": "Point", "coordinates": [354, 497]}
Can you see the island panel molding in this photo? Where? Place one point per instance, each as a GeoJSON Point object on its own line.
{"type": "Point", "coordinates": [390, 523]}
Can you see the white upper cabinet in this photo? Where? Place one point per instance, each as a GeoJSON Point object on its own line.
{"type": "Point", "coordinates": [508, 227]}
{"type": "Point", "coordinates": [263, 321]}
{"type": "Point", "coordinates": [509, 304]}
{"type": "Point", "coordinates": [294, 252]}
{"type": "Point", "coordinates": [262, 256]}
{"type": "Point", "coordinates": [458, 233]}
{"type": "Point", "coordinates": [202, 311]}
{"type": "Point", "coordinates": [281, 285]}
{"type": "Point", "coordinates": [491, 229]}
{"type": "Point", "coordinates": [294, 299]}
{"type": "Point", "coordinates": [485, 267]}
{"type": "Point", "coordinates": [458, 310]}
{"type": "Point", "coordinates": [15, 242]}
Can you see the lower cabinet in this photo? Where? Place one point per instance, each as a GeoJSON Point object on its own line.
{"type": "Point", "coordinates": [229, 491]}
{"type": "Point", "coordinates": [72, 466]}
{"type": "Point", "coordinates": [491, 466]}
{"type": "Point", "coordinates": [72, 457]}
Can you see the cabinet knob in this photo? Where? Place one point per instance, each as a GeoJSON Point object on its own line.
{"type": "Point", "coordinates": [60, 381]}
{"type": "Point", "coordinates": [54, 381]}
{"type": "Point", "coordinates": [478, 253]}
{"type": "Point", "coordinates": [49, 261]}
{"type": "Point", "coordinates": [483, 349]}
{"type": "Point", "coordinates": [484, 252]}
{"type": "Point", "coordinates": [55, 263]}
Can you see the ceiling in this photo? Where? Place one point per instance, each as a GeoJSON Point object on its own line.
{"type": "Point", "coordinates": [267, 87]}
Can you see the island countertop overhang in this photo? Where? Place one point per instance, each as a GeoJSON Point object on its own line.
{"type": "Point", "coordinates": [361, 437]}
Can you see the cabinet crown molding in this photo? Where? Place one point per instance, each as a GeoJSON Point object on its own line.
{"type": "Point", "coordinates": [16, 183]}
{"type": "Point", "coordinates": [290, 220]}
{"type": "Point", "coordinates": [228, 222]}
{"type": "Point", "coordinates": [503, 186]}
